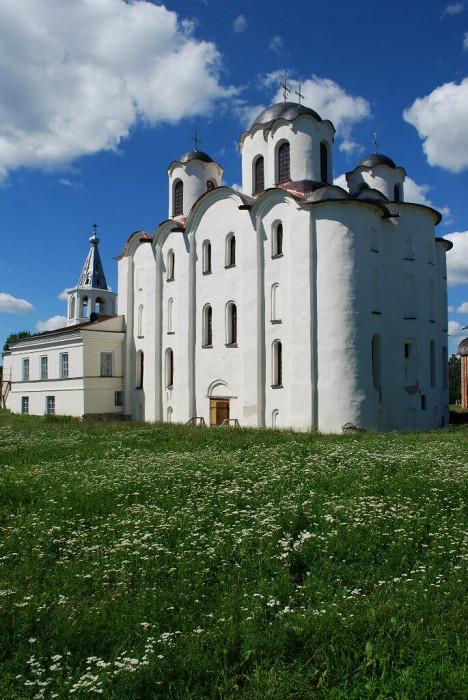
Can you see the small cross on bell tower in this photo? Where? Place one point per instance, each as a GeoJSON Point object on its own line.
{"type": "Point", "coordinates": [375, 142]}
{"type": "Point", "coordinates": [298, 93]}
{"type": "Point", "coordinates": [196, 141]}
{"type": "Point", "coordinates": [284, 85]}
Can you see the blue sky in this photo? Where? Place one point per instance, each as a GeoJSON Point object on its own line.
{"type": "Point", "coordinates": [97, 97]}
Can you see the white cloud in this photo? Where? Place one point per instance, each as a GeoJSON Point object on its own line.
{"type": "Point", "coordinates": [239, 25]}
{"type": "Point", "coordinates": [463, 308]}
{"type": "Point", "coordinates": [340, 181]}
{"type": "Point", "coordinates": [51, 324]}
{"type": "Point", "coordinates": [465, 41]}
{"type": "Point", "coordinates": [418, 194]}
{"type": "Point", "coordinates": [441, 119]}
{"type": "Point", "coordinates": [12, 305]}
{"type": "Point", "coordinates": [64, 293]}
{"type": "Point", "coordinates": [454, 8]}
{"type": "Point", "coordinates": [456, 333]}
{"type": "Point", "coordinates": [276, 44]}
{"type": "Point", "coordinates": [104, 67]}
{"type": "Point", "coordinates": [450, 309]}
{"type": "Point", "coordinates": [330, 101]}
{"type": "Point", "coordinates": [457, 258]}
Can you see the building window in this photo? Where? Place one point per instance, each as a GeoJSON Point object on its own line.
{"type": "Point", "coordinates": [444, 368]}
{"type": "Point", "coordinates": [409, 248]}
{"type": "Point", "coordinates": [169, 368]}
{"type": "Point", "coordinates": [410, 297]}
{"type": "Point", "coordinates": [207, 330]}
{"type": "Point", "coordinates": [64, 365]}
{"type": "Point", "coordinates": [376, 362]}
{"type": "Point", "coordinates": [169, 413]}
{"type": "Point", "coordinates": [170, 309]}
{"type": "Point", "coordinates": [84, 307]}
{"type": "Point", "coordinates": [140, 321]}
{"type": "Point", "coordinates": [178, 198]}
{"type": "Point", "coordinates": [140, 369]}
{"type": "Point", "coordinates": [374, 241]}
{"type": "Point", "coordinates": [210, 185]}
{"type": "Point", "coordinates": [432, 363]}
{"type": "Point", "coordinates": [275, 311]}
{"type": "Point", "coordinates": [259, 176]}
{"type": "Point", "coordinates": [170, 265]}
{"type": "Point", "coordinates": [431, 301]}
{"type": "Point", "coordinates": [323, 162]}
{"type": "Point", "coordinates": [277, 364]}
{"type": "Point", "coordinates": [231, 324]}
{"type": "Point", "coordinates": [206, 257]}
{"type": "Point", "coordinates": [50, 405]}
{"type": "Point", "coordinates": [72, 308]}
{"type": "Point", "coordinates": [430, 254]}
{"type": "Point", "coordinates": [230, 250]}
{"type": "Point", "coordinates": [44, 367]}
{"type": "Point", "coordinates": [100, 304]}
{"type": "Point", "coordinates": [25, 405]}
{"type": "Point", "coordinates": [410, 363]}
{"type": "Point", "coordinates": [375, 292]}
{"type": "Point", "coordinates": [275, 418]}
{"type": "Point", "coordinates": [277, 241]}
{"type": "Point", "coordinates": [396, 193]}
{"type": "Point", "coordinates": [283, 162]}
{"type": "Point", "coordinates": [118, 398]}
{"type": "Point", "coordinates": [25, 369]}
{"type": "Point", "coordinates": [106, 364]}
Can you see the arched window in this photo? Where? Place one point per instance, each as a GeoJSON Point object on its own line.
{"type": "Point", "coordinates": [411, 376]}
{"type": "Point", "coordinates": [374, 241]}
{"type": "Point", "coordinates": [231, 324]}
{"type": "Point", "coordinates": [169, 368]}
{"type": "Point", "coordinates": [207, 328]}
{"type": "Point", "coordinates": [377, 362]}
{"type": "Point", "coordinates": [170, 265]}
{"type": "Point", "coordinates": [140, 321]}
{"type": "Point", "coordinates": [430, 253]}
{"type": "Point", "coordinates": [431, 301]}
{"type": "Point", "coordinates": [410, 297]}
{"type": "Point", "coordinates": [230, 250]}
{"type": "Point", "coordinates": [444, 368]}
{"type": "Point", "coordinates": [409, 248]}
{"type": "Point", "coordinates": [277, 364]}
{"type": "Point", "coordinates": [277, 240]}
{"type": "Point", "coordinates": [206, 257]}
{"type": "Point", "coordinates": [84, 307]}
{"type": "Point", "coordinates": [72, 307]}
{"type": "Point", "coordinates": [178, 198]}
{"type": "Point", "coordinates": [432, 363]}
{"type": "Point", "coordinates": [283, 162]}
{"type": "Point", "coordinates": [170, 310]}
{"type": "Point", "coordinates": [210, 185]}
{"type": "Point", "coordinates": [275, 418]}
{"type": "Point", "coordinates": [323, 162]}
{"type": "Point", "coordinates": [396, 193]}
{"type": "Point", "coordinates": [169, 414]}
{"type": "Point", "coordinates": [259, 175]}
{"type": "Point", "coordinates": [140, 369]}
{"type": "Point", "coordinates": [100, 305]}
{"type": "Point", "coordinates": [444, 311]}
{"type": "Point", "coordinates": [375, 291]}
{"type": "Point", "coordinates": [275, 310]}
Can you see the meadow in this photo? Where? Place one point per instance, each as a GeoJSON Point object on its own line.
{"type": "Point", "coordinates": [155, 561]}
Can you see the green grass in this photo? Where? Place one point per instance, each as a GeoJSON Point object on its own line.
{"type": "Point", "coordinates": [154, 561]}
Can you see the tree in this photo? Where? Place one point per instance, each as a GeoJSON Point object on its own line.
{"type": "Point", "coordinates": [454, 379]}
{"type": "Point", "coordinates": [15, 336]}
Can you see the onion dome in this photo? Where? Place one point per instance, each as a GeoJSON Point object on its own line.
{"type": "Point", "coordinates": [283, 110]}
{"type": "Point", "coordinates": [195, 155]}
{"type": "Point", "coordinates": [374, 159]}
{"type": "Point", "coordinates": [463, 347]}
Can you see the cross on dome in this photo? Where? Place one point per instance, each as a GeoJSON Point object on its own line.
{"type": "Point", "coordinates": [298, 93]}
{"type": "Point", "coordinates": [284, 85]}
{"type": "Point", "coordinates": [375, 142]}
{"type": "Point", "coordinates": [196, 140]}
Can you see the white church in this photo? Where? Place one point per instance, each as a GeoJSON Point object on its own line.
{"type": "Point", "coordinates": [293, 304]}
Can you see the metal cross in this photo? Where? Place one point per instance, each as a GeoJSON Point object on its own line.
{"type": "Point", "coordinates": [298, 93]}
{"type": "Point", "coordinates": [196, 140]}
{"type": "Point", "coordinates": [375, 142]}
{"type": "Point", "coordinates": [95, 229]}
{"type": "Point", "coordinates": [284, 85]}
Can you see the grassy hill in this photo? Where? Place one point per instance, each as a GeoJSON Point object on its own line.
{"type": "Point", "coordinates": [150, 561]}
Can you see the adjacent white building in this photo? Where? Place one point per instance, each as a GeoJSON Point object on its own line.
{"type": "Point", "coordinates": [294, 303]}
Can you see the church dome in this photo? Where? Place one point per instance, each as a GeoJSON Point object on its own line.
{"type": "Point", "coordinates": [283, 110]}
{"type": "Point", "coordinates": [374, 159]}
{"type": "Point", "coordinates": [463, 347]}
{"type": "Point", "coordinates": [195, 155]}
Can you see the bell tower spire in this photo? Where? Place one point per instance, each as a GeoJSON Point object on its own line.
{"type": "Point", "coordinates": [91, 295]}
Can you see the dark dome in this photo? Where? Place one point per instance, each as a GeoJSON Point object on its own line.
{"type": "Point", "coordinates": [195, 155]}
{"type": "Point", "coordinates": [284, 110]}
{"type": "Point", "coordinates": [463, 347]}
{"type": "Point", "coordinates": [376, 159]}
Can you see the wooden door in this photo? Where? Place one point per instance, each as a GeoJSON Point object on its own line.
{"type": "Point", "coordinates": [219, 411]}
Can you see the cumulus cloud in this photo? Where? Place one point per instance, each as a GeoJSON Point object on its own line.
{"type": "Point", "coordinates": [340, 181]}
{"type": "Point", "coordinates": [64, 293]}
{"type": "Point", "coordinates": [276, 44]}
{"type": "Point", "coordinates": [51, 324]}
{"type": "Point", "coordinates": [331, 101]}
{"type": "Point", "coordinates": [456, 333]}
{"type": "Point", "coordinates": [239, 25]}
{"type": "Point", "coordinates": [457, 258]}
{"type": "Point", "coordinates": [441, 119]}
{"type": "Point", "coordinates": [418, 194]}
{"type": "Point", "coordinates": [12, 305]}
{"type": "Point", "coordinates": [463, 308]}
{"type": "Point", "coordinates": [450, 309]}
{"type": "Point", "coordinates": [76, 77]}
{"type": "Point", "coordinates": [454, 8]}
{"type": "Point", "coordinates": [465, 41]}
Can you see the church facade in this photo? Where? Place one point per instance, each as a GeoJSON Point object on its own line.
{"type": "Point", "coordinates": [294, 303]}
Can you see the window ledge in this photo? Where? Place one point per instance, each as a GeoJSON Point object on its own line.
{"type": "Point", "coordinates": [375, 250]}
{"type": "Point", "coordinates": [206, 272]}
{"type": "Point", "coordinates": [170, 333]}
{"type": "Point", "coordinates": [227, 267]}
{"type": "Point", "coordinates": [432, 320]}
{"type": "Point", "coordinates": [275, 321]}
{"type": "Point", "coordinates": [170, 387]}
{"type": "Point", "coordinates": [409, 318]}
{"type": "Point", "coordinates": [277, 255]}
{"type": "Point", "coordinates": [377, 313]}
{"type": "Point", "coordinates": [207, 346]}
{"type": "Point", "coordinates": [412, 259]}
{"type": "Point", "coordinates": [231, 345]}
{"type": "Point", "coordinates": [170, 279]}
{"type": "Point", "coordinates": [277, 386]}
{"type": "Point", "coordinates": [431, 263]}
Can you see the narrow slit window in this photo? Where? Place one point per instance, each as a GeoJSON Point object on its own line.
{"type": "Point", "coordinates": [284, 162]}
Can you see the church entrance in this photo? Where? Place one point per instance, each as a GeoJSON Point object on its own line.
{"type": "Point", "coordinates": [219, 411]}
